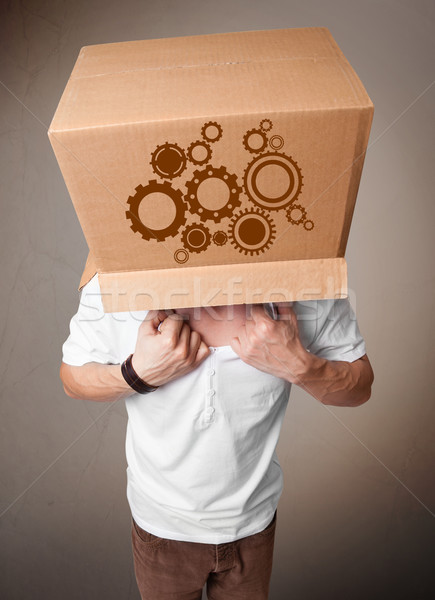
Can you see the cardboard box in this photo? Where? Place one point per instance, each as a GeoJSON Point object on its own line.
{"type": "Point", "coordinates": [214, 169]}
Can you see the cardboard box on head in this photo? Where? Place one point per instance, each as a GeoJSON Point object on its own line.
{"type": "Point", "coordinates": [214, 169]}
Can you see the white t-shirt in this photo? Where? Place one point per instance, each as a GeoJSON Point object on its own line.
{"type": "Point", "coordinates": [200, 450]}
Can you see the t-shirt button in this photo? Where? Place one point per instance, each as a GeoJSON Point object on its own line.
{"type": "Point", "coordinates": [211, 372]}
{"type": "Point", "coordinates": [211, 392]}
{"type": "Point", "coordinates": [210, 410]}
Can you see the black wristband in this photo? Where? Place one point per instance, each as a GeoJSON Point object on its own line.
{"type": "Point", "coordinates": [133, 379]}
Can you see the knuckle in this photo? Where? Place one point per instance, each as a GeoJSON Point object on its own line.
{"type": "Point", "coordinates": [265, 327]}
{"type": "Point", "coordinates": [202, 352]}
{"type": "Point", "coordinates": [175, 317]}
{"type": "Point", "coordinates": [185, 330]}
{"type": "Point", "coordinates": [194, 337]}
{"type": "Point", "coordinates": [249, 347]}
{"type": "Point", "coordinates": [169, 341]}
{"type": "Point", "coordinates": [181, 352]}
{"type": "Point", "coordinates": [190, 359]}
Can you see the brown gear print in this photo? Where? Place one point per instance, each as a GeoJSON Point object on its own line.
{"type": "Point", "coordinates": [252, 231]}
{"type": "Point", "coordinates": [255, 141]}
{"type": "Point", "coordinates": [211, 131]}
{"type": "Point", "coordinates": [181, 256]}
{"type": "Point", "coordinates": [168, 160]}
{"type": "Point", "coordinates": [175, 196]}
{"type": "Point", "coordinates": [308, 225]}
{"type": "Point", "coordinates": [229, 193]}
{"type": "Point", "coordinates": [266, 125]}
{"type": "Point", "coordinates": [196, 237]}
{"type": "Point", "coordinates": [296, 214]}
{"type": "Point", "coordinates": [220, 238]}
{"type": "Point", "coordinates": [283, 166]}
{"type": "Point", "coordinates": [276, 142]}
{"type": "Point", "coordinates": [199, 152]}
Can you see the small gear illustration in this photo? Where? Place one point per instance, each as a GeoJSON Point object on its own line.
{"type": "Point", "coordinates": [196, 237]}
{"type": "Point", "coordinates": [276, 142]}
{"type": "Point", "coordinates": [138, 225]}
{"type": "Point", "coordinates": [282, 166]}
{"type": "Point", "coordinates": [199, 152]}
{"type": "Point", "coordinates": [211, 131]}
{"type": "Point", "coordinates": [252, 231]}
{"type": "Point", "coordinates": [220, 238]}
{"type": "Point", "coordinates": [168, 160]}
{"type": "Point", "coordinates": [230, 196]}
{"type": "Point", "coordinates": [181, 255]}
{"type": "Point", "coordinates": [255, 141]}
{"type": "Point", "coordinates": [296, 214]}
{"type": "Point", "coordinates": [309, 225]}
{"type": "Point", "coordinates": [266, 125]}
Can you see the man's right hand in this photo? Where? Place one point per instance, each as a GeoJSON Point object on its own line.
{"type": "Point", "coordinates": [166, 348]}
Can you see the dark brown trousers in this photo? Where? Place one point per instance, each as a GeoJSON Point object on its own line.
{"type": "Point", "coordinates": [168, 569]}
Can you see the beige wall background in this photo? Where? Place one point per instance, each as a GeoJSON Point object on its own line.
{"type": "Point", "coordinates": [356, 517]}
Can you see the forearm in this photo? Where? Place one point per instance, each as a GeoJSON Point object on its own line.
{"type": "Point", "coordinates": [94, 381]}
{"type": "Point", "coordinates": [337, 383]}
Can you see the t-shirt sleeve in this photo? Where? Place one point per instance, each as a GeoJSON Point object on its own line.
{"type": "Point", "coordinates": [91, 336]}
{"type": "Point", "coordinates": [337, 334]}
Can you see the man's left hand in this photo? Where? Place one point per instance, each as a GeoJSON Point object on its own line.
{"type": "Point", "coordinates": [273, 346]}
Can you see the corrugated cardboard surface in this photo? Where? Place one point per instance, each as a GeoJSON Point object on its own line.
{"type": "Point", "coordinates": [224, 284]}
{"type": "Point", "coordinates": [293, 122]}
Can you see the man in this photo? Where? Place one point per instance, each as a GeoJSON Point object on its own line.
{"type": "Point", "coordinates": [203, 477]}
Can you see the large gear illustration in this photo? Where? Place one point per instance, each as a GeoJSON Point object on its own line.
{"type": "Point", "coordinates": [196, 237]}
{"type": "Point", "coordinates": [137, 224]}
{"type": "Point", "coordinates": [252, 231]}
{"type": "Point", "coordinates": [168, 160]}
{"type": "Point", "coordinates": [255, 141]}
{"type": "Point", "coordinates": [272, 181]}
{"type": "Point", "coordinates": [230, 202]}
{"type": "Point", "coordinates": [279, 162]}
{"type": "Point", "coordinates": [211, 131]}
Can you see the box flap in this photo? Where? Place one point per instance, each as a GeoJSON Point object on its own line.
{"type": "Point", "coordinates": [89, 271]}
{"type": "Point", "coordinates": [201, 50]}
{"type": "Point", "coordinates": [176, 78]}
{"type": "Point", "coordinates": [247, 283]}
